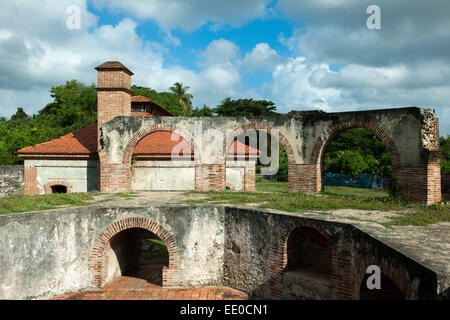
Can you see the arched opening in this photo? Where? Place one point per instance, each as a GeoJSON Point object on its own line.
{"type": "Point", "coordinates": [356, 161]}
{"type": "Point", "coordinates": [259, 158]}
{"type": "Point", "coordinates": [308, 269]}
{"type": "Point", "coordinates": [58, 189]}
{"type": "Point", "coordinates": [162, 161]}
{"type": "Point", "coordinates": [137, 253]}
{"type": "Point", "coordinates": [388, 291]}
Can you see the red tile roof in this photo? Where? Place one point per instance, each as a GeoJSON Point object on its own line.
{"type": "Point", "coordinates": [84, 143]}
{"type": "Point", "coordinates": [142, 114]}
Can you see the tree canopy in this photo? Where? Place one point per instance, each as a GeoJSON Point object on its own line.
{"type": "Point", "coordinates": [245, 107]}
{"type": "Point", "coordinates": [183, 97]}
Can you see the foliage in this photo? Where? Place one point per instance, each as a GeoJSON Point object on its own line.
{"type": "Point", "coordinates": [73, 108]}
{"type": "Point", "coordinates": [445, 160]}
{"type": "Point", "coordinates": [205, 111]}
{"type": "Point", "coordinates": [245, 107]}
{"type": "Point", "coordinates": [183, 97]}
{"type": "Point", "coordinates": [357, 151]}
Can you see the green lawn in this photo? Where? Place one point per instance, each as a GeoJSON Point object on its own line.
{"type": "Point", "coordinates": [22, 203]}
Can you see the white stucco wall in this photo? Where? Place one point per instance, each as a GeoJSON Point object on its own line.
{"type": "Point", "coordinates": [163, 175]}
{"type": "Point", "coordinates": [82, 175]}
{"type": "Point", "coordinates": [235, 173]}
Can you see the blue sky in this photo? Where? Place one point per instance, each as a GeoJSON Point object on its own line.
{"type": "Point", "coordinates": [303, 55]}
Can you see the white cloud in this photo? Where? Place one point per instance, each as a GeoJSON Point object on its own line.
{"type": "Point", "coordinates": [189, 15]}
{"type": "Point", "coordinates": [262, 57]}
{"type": "Point", "coordinates": [219, 52]}
{"type": "Point", "coordinates": [33, 61]}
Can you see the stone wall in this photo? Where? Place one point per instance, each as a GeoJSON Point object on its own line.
{"type": "Point", "coordinates": [44, 254]}
{"type": "Point", "coordinates": [408, 133]}
{"type": "Point", "coordinates": [11, 180]}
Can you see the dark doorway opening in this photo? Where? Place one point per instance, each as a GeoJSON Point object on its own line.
{"type": "Point", "coordinates": [140, 254]}
{"type": "Point", "coordinates": [308, 270]}
{"type": "Point", "coordinates": [59, 189]}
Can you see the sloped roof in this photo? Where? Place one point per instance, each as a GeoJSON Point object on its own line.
{"type": "Point", "coordinates": [113, 65]}
{"type": "Point", "coordinates": [84, 143]}
{"type": "Point", "coordinates": [152, 103]}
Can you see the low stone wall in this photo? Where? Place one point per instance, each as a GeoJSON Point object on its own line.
{"type": "Point", "coordinates": [11, 180]}
{"type": "Point", "coordinates": [48, 253]}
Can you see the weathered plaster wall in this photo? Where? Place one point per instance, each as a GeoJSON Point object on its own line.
{"type": "Point", "coordinates": [43, 254]}
{"type": "Point", "coordinates": [255, 256]}
{"type": "Point", "coordinates": [301, 129]}
{"type": "Point", "coordinates": [411, 136]}
{"type": "Point", "coordinates": [11, 180]}
{"type": "Point", "coordinates": [80, 175]}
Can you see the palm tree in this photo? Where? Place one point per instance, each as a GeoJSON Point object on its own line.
{"type": "Point", "coordinates": [183, 97]}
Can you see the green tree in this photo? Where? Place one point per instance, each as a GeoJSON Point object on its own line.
{"type": "Point", "coordinates": [445, 160]}
{"type": "Point", "coordinates": [203, 112]}
{"type": "Point", "coordinates": [245, 107]}
{"type": "Point", "coordinates": [183, 97]}
{"type": "Point", "coordinates": [372, 150]}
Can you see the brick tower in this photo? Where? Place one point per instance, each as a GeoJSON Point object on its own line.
{"type": "Point", "coordinates": [114, 99]}
{"type": "Point", "coordinates": [114, 91]}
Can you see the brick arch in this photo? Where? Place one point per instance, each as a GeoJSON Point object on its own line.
{"type": "Point", "coordinates": [98, 259]}
{"type": "Point", "coordinates": [229, 139]}
{"type": "Point", "coordinates": [48, 186]}
{"type": "Point", "coordinates": [128, 153]}
{"type": "Point", "coordinates": [278, 256]}
{"type": "Point", "coordinates": [330, 133]}
{"type": "Point", "coordinates": [393, 273]}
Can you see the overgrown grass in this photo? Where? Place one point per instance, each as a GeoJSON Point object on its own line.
{"type": "Point", "coordinates": [332, 198]}
{"type": "Point", "coordinates": [355, 192]}
{"type": "Point", "coordinates": [265, 185]}
{"type": "Point", "coordinates": [23, 203]}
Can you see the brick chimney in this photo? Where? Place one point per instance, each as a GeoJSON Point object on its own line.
{"type": "Point", "coordinates": [114, 92]}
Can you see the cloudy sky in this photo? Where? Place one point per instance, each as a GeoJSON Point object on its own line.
{"type": "Point", "coordinates": [302, 55]}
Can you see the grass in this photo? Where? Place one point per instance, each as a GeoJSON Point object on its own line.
{"type": "Point", "coordinates": [271, 186]}
{"type": "Point", "coordinates": [126, 194]}
{"type": "Point", "coordinates": [23, 203]}
{"type": "Point", "coordinates": [332, 198]}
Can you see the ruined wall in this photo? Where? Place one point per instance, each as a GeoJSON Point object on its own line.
{"type": "Point", "coordinates": [44, 254]}
{"type": "Point", "coordinates": [11, 180]}
{"type": "Point", "coordinates": [256, 258]}
{"type": "Point", "coordinates": [408, 133]}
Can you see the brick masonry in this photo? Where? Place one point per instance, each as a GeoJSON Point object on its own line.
{"type": "Point", "coordinates": [99, 258]}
